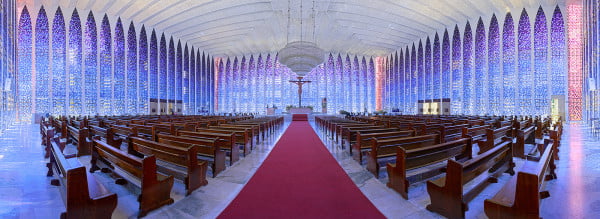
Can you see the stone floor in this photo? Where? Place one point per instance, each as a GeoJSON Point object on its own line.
{"type": "Point", "coordinates": [26, 191]}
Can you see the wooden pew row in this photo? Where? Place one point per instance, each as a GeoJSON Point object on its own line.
{"type": "Point", "coordinates": [524, 136]}
{"type": "Point", "coordinates": [478, 133]}
{"type": "Point", "coordinates": [79, 138]}
{"type": "Point", "coordinates": [242, 137]}
{"type": "Point", "coordinates": [155, 188]}
{"type": "Point", "coordinates": [83, 195]}
{"type": "Point", "coordinates": [385, 149]}
{"type": "Point", "coordinates": [421, 157]}
{"type": "Point", "coordinates": [493, 137]}
{"type": "Point", "coordinates": [520, 197]}
{"type": "Point", "coordinates": [208, 149]}
{"type": "Point", "coordinates": [447, 194]}
{"type": "Point", "coordinates": [352, 135]}
{"type": "Point", "coordinates": [364, 141]}
{"type": "Point", "coordinates": [229, 139]}
{"type": "Point", "coordinates": [182, 162]}
{"type": "Point", "coordinates": [105, 134]}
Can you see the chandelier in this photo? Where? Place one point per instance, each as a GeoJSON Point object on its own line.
{"type": "Point", "coordinates": [301, 56]}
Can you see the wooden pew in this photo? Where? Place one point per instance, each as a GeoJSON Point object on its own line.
{"type": "Point", "coordinates": [83, 195]}
{"type": "Point", "coordinates": [364, 141]}
{"type": "Point", "coordinates": [124, 132]}
{"type": "Point", "coordinates": [386, 148]}
{"type": "Point", "coordinates": [477, 133]}
{"type": "Point", "coordinates": [162, 128]}
{"type": "Point", "coordinates": [144, 131]}
{"type": "Point", "coordinates": [452, 132]}
{"type": "Point", "coordinates": [105, 134]}
{"type": "Point", "coordinates": [155, 187]}
{"type": "Point", "coordinates": [493, 137]}
{"type": "Point", "coordinates": [349, 134]}
{"type": "Point", "coordinates": [525, 136]}
{"type": "Point", "coordinates": [421, 157]}
{"type": "Point", "coordinates": [47, 135]}
{"type": "Point", "coordinates": [446, 193]}
{"type": "Point", "coordinates": [209, 149]}
{"type": "Point", "coordinates": [79, 137]}
{"type": "Point", "coordinates": [229, 138]}
{"type": "Point", "coordinates": [242, 136]}
{"type": "Point", "coordinates": [520, 197]}
{"type": "Point", "coordinates": [184, 163]}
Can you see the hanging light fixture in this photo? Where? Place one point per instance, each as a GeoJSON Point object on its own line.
{"type": "Point", "coordinates": [301, 56]}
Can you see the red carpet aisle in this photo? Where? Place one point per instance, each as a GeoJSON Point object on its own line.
{"type": "Point", "coordinates": [300, 179]}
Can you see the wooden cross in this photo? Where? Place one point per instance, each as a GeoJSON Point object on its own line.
{"type": "Point", "coordinates": [300, 82]}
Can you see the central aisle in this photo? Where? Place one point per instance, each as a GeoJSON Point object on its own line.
{"type": "Point", "coordinates": [300, 179]}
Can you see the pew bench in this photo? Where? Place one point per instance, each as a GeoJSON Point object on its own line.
{"type": "Point", "coordinates": [416, 158]}
{"type": "Point", "coordinates": [524, 136]}
{"type": "Point", "coordinates": [447, 194]}
{"type": "Point", "coordinates": [208, 149]}
{"type": "Point", "coordinates": [155, 188]}
{"type": "Point", "coordinates": [384, 150]}
{"type": "Point", "coordinates": [493, 137]}
{"type": "Point", "coordinates": [228, 138]}
{"type": "Point", "coordinates": [79, 138]}
{"type": "Point", "coordinates": [180, 162]}
{"type": "Point", "coordinates": [364, 141]}
{"type": "Point", "coordinates": [83, 195]}
{"type": "Point", "coordinates": [520, 197]}
{"type": "Point", "coordinates": [242, 137]}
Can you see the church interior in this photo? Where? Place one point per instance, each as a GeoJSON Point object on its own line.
{"type": "Point", "coordinates": [299, 109]}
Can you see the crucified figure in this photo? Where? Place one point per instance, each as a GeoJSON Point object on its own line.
{"type": "Point", "coordinates": [300, 82]}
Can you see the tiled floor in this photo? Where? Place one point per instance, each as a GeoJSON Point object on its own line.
{"type": "Point", "coordinates": [25, 191]}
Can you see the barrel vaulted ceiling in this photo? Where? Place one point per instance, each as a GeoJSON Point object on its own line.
{"type": "Point", "coordinates": [235, 27]}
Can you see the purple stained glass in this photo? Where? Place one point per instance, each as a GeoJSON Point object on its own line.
{"type": "Point", "coordinates": [525, 77]}
{"type": "Point", "coordinates": [178, 75]}
{"type": "Point", "coordinates": [119, 86]}
{"type": "Point", "coordinates": [413, 80]}
{"type": "Point", "coordinates": [468, 97]}
{"type": "Point", "coordinates": [540, 44]}
{"type": "Point", "coordinates": [234, 85]}
{"type": "Point", "coordinates": [185, 80]}
{"type": "Point", "coordinates": [105, 59]}
{"type": "Point", "coordinates": [420, 73]}
{"type": "Point", "coordinates": [339, 72]}
{"type": "Point", "coordinates": [558, 50]}
{"type": "Point", "coordinates": [457, 78]}
{"type": "Point", "coordinates": [132, 87]}
{"type": "Point", "coordinates": [347, 78]}
{"type": "Point", "coordinates": [43, 91]}
{"type": "Point", "coordinates": [162, 72]}
{"type": "Point", "coordinates": [143, 80]}
{"type": "Point", "coordinates": [428, 83]}
{"type": "Point", "coordinates": [24, 46]}
{"type": "Point", "coordinates": [59, 76]}
{"type": "Point", "coordinates": [254, 106]}
{"type": "Point", "coordinates": [153, 68]}
{"type": "Point", "coordinates": [436, 68]}
{"type": "Point", "coordinates": [494, 76]}
{"type": "Point", "coordinates": [171, 59]}
{"type": "Point", "coordinates": [74, 57]}
{"type": "Point", "coordinates": [446, 60]}
{"type": "Point", "coordinates": [508, 66]}
{"type": "Point", "coordinates": [90, 46]}
{"type": "Point", "coordinates": [480, 77]}
{"type": "Point", "coordinates": [408, 101]}
{"type": "Point", "coordinates": [192, 83]}
{"type": "Point", "coordinates": [400, 85]}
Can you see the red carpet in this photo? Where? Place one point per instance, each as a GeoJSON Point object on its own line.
{"type": "Point", "coordinates": [300, 179]}
{"type": "Point", "coordinates": [299, 117]}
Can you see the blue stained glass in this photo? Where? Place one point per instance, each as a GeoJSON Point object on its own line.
{"type": "Point", "coordinates": [261, 81]}
{"type": "Point", "coordinates": [119, 86]}
{"type": "Point", "coordinates": [222, 86]}
{"type": "Point", "coordinates": [540, 43]}
{"type": "Point", "coordinates": [468, 95]}
{"type": "Point", "coordinates": [203, 88]}
{"type": "Point", "coordinates": [178, 74]}
{"type": "Point", "coordinates": [153, 68]}
{"type": "Point", "coordinates": [24, 77]}
{"type": "Point", "coordinates": [208, 79]}
{"type": "Point", "coordinates": [228, 88]}
{"type": "Point", "coordinates": [59, 76]}
{"type": "Point", "coordinates": [185, 79]}
{"type": "Point", "coordinates": [508, 67]}
{"type": "Point", "coordinates": [436, 68]}
{"type": "Point", "coordinates": [254, 105]}
{"type": "Point", "coordinates": [171, 73]}
{"type": "Point", "coordinates": [347, 78]}
{"type": "Point", "coordinates": [457, 78]}
{"type": "Point", "coordinates": [90, 45]}
{"type": "Point", "coordinates": [234, 85]}
{"type": "Point", "coordinates": [43, 90]}
{"type": "Point", "coordinates": [210, 64]}
{"type": "Point", "coordinates": [525, 76]}
{"type": "Point", "coordinates": [481, 76]}
{"type": "Point", "coordinates": [244, 96]}
{"type": "Point", "coordinates": [428, 82]}
{"type": "Point", "coordinates": [105, 59]}
{"type": "Point", "coordinates": [495, 78]}
{"type": "Point", "coordinates": [331, 82]}
{"type": "Point", "coordinates": [162, 72]}
{"type": "Point", "coordinates": [413, 81]}
{"type": "Point", "coordinates": [269, 80]}
{"type": "Point", "coordinates": [446, 60]}
{"type": "Point", "coordinates": [558, 48]}
{"type": "Point", "coordinates": [420, 73]}
{"type": "Point", "coordinates": [144, 66]}
{"type": "Point", "coordinates": [132, 87]}
{"type": "Point", "coordinates": [357, 98]}
{"type": "Point", "coordinates": [371, 73]}
{"type": "Point", "coordinates": [407, 82]}
{"type": "Point", "coordinates": [400, 85]}
{"type": "Point", "coordinates": [192, 83]}
{"type": "Point", "coordinates": [75, 61]}
{"type": "Point", "coordinates": [339, 72]}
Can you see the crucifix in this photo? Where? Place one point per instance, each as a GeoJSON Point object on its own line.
{"type": "Point", "coordinates": [300, 82]}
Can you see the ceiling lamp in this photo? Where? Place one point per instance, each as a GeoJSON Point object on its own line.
{"type": "Point", "coordinates": [301, 56]}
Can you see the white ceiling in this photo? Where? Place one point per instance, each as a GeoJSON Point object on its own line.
{"type": "Point", "coordinates": [235, 27]}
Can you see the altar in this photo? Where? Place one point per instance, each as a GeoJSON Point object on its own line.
{"type": "Point", "coordinates": [300, 110]}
